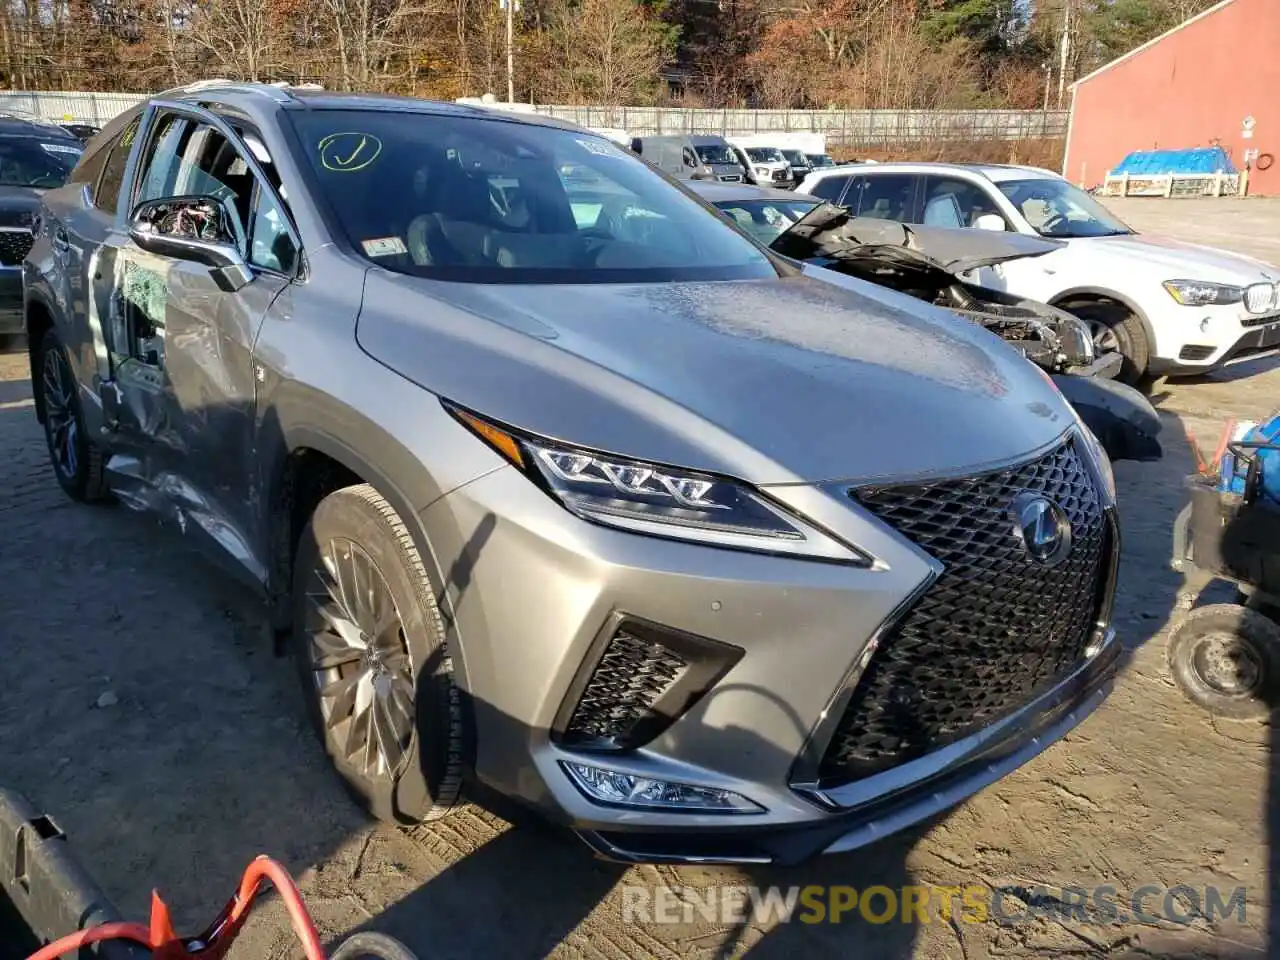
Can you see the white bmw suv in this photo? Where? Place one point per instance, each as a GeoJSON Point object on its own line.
{"type": "Point", "coordinates": [1171, 308]}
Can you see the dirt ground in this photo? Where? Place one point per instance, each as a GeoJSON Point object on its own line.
{"type": "Point", "coordinates": [199, 758]}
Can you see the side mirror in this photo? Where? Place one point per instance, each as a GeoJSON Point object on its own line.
{"type": "Point", "coordinates": [197, 229]}
{"type": "Point", "coordinates": [989, 221]}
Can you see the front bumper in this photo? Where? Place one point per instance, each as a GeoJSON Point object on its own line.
{"type": "Point", "coordinates": [531, 591]}
{"type": "Point", "coordinates": [944, 779]}
{"type": "Point", "coordinates": [1220, 338]}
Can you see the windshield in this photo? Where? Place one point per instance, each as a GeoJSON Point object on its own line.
{"type": "Point", "coordinates": [766, 220]}
{"type": "Point", "coordinates": [491, 201]}
{"type": "Point", "coordinates": [796, 158]}
{"type": "Point", "coordinates": [820, 160]}
{"type": "Point", "coordinates": [766, 155]}
{"type": "Point", "coordinates": [714, 153]}
{"type": "Point", "coordinates": [1056, 208]}
{"type": "Point", "coordinates": [36, 161]}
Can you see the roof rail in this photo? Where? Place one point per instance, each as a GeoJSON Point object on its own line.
{"type": "Point", "coordinates": [279, 91]}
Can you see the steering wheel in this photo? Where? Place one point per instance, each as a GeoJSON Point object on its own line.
{"type": "Point", "coordinates": [1050, 225]}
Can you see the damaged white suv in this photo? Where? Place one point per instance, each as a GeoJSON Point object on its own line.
{"type": "Point", "coordinates": [1172, 308]}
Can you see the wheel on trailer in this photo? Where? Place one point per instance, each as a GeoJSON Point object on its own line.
{"type": "Point", "coordinates": [372, 946]}
{"type": "Point", "coordinates": [1226, 658]}
{"type": "Point", "coordinates": [78, 462]}
{"type": "Point", "coordinates": [370, 652]}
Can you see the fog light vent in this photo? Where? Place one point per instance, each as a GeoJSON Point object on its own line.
{"type": "Point", "coordinates": [1196, 351]}
{"type": "Point", "coordinates": [637, 682]}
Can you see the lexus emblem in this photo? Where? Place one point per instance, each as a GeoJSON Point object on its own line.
{"type": "Point", "coordinates": [1042, 527]}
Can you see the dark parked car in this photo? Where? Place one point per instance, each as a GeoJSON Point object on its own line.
{"type": "Point", "coordinates": [34, 157]}
{"type": "Point", "coordinates": [553, 479]}
{"type": "Point", "coordinates": [84, 132]}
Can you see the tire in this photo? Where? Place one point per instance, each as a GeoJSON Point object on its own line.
{"type": "Point", "coordinates": [78, 463]}
{"type": "Point", "coordinates": [391, 675]}
{"type": "Point", "coordinates": [1129, 334]}
{"type": "Point", "coordinates": [372, 946]}
{"type": "Point", "coordinates": [1226, 658]}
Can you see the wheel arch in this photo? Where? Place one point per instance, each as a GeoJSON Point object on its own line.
{"type": "Point", "coordinates": [307, 462]}
{"type": "Point", "coordinates": [38, 320]}
{"type": "Point", "coordinates": [1093, 292]}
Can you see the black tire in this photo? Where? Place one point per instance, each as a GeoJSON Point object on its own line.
{"type": "Point", "coordinates": [1226, 658]}
{"type": "Point", "coordinates": [1129, 334]}
{"type": "Point", "coordinates": [78, 463]}
{"type": "Point", "coordinates": [372, 946]}
{"type": "Point", "coordinates": [406, 682]}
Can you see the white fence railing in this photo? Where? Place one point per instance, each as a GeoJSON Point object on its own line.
{"type": "Point", "coordinates": [853, 127]}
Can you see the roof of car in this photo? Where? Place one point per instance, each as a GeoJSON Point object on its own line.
{"type": "Point", "coordinates": [32, 127]}
{"type": "Point", "coordinates": [730, 192]}
{"type": "Point", "coordinates": [306, 97]}
{"type": "Point", "coordinates": [995, 172]}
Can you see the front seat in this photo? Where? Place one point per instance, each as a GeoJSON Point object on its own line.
{"type": "Point", "coordinates": [456, 228]}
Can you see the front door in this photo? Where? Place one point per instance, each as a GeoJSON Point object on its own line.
{"type": "Point", "coordinates": [181, 344]}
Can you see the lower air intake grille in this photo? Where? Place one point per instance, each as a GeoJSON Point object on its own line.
{"type": "Point", "coordinates": [1193, 352]}
{"type": "Point", "coordinates": [635, 684]}
{"type": "Point", "coordinates": [995, 630]}
{"type": "Point", "coordinates": [630, 678]}
{"type": "Point", "coordinates": [14, 246]}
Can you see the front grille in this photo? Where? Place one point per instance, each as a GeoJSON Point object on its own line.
{"type": "Point", "coordinates": [779, 175]}
{"type": "Point", "coordinates": [993, 631]}
{"type": "Point", "coordinates": [630, 678]}
{"type": "Point", "coordinates": [14, 246]}
{"type": "Point", "coordinates": [1196, 351]}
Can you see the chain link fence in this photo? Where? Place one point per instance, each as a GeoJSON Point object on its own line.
{"type": "Point", "coordinates": [840, 127]}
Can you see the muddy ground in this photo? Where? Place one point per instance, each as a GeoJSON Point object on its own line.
{"type": "Point", "coordinates": [199, 757]}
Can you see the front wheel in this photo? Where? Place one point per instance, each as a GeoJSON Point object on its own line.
{"type": "Point", "coordinates": [78, 463]}
{"type": "Point", "coordinates": [1115, 327]}
{"type": "Point", "coordinates": [370, 652]}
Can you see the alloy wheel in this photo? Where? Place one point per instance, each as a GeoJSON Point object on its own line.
{"type": "Point", "coordinates": [1104, 338]}
{"type": "Point", "coordinates": [61, 424]}
{"type": "Point", "coordinates": [360, 661]}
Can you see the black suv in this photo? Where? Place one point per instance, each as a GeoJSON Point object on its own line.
{"type": "Point", "coordinates": [34, 157]}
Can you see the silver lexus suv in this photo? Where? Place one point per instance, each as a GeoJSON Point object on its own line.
{"type": "Point", "coordinates": [553, 479]}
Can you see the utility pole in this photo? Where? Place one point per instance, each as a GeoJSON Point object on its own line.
{"type": "Point", "coordinates": [1048, 75]}
{"type": "Point", "coordinates": [510, 6]}
{"type": "Point", "coordinates": [1065, 51]}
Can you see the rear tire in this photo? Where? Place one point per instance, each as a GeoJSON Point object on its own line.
{"type": "Point", "coordinates": [1226, 658]}
{"type": "Point", "coordinates": [1116, 327]}
{"type": "Point", "coordinates": [370, 652]}
{"type": "Point", "coordinates": [78, 463]}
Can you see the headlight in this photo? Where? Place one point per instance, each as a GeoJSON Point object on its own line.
{"type": "Point", "coordinates": [1197, 293]}
{"type": "Point", "coordinates": [659, 500]}
{"type": "Point", "coordinates": [1100, 458]}
{"type": "Point", "coordinates": [763, 171]}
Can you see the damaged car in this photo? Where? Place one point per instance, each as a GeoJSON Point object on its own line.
{"type": "Point", "coordinates": [554, 482]}
{"type": "Point", "coordinates": [931, 264]}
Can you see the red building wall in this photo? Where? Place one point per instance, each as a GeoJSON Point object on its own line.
{"type": "Point", "coordinates": [1195, 85]}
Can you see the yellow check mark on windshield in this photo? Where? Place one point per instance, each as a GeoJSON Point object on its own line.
{"type": "Point", "coordinates": [364, 141]}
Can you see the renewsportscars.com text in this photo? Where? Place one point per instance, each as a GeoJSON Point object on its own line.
{"type": "Point", "coordinates": [974, 903]}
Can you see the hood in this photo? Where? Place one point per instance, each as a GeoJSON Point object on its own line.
{"type": "Point", "coordinates": [1187, 261]}
{"type": "Point", "coordinates": [798, 379]}
{"type": "Point", "coordinates": [828, 228]}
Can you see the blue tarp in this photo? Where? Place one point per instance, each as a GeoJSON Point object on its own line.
{"type": "Point", "coordinates": [1148, 163]}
